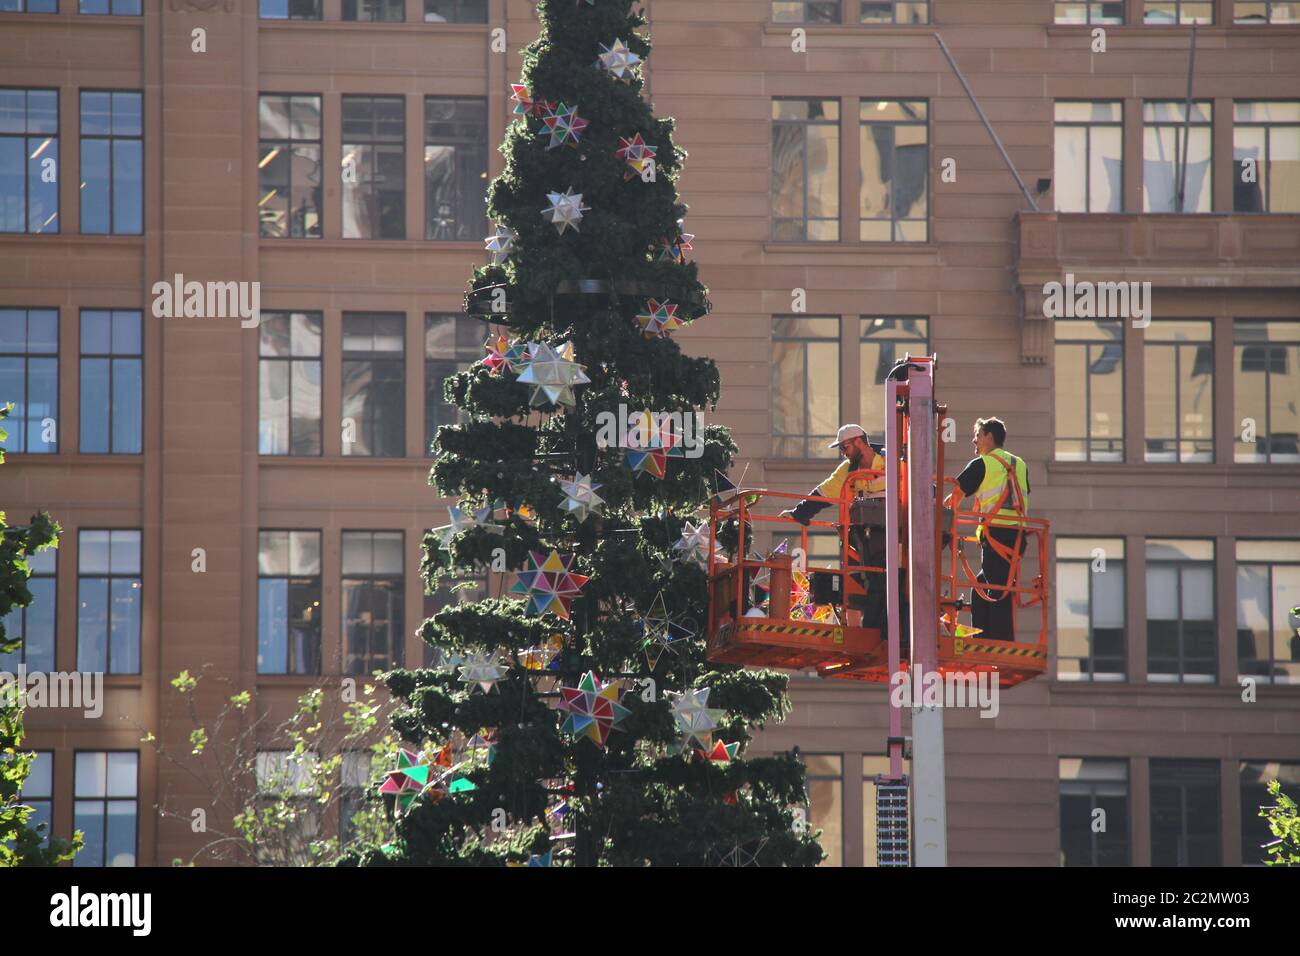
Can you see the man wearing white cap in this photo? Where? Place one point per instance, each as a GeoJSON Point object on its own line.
{"type": "Point", "coordinates": [858, 454]}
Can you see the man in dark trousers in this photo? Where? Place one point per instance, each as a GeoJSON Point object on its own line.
{"type": "Point", "coordinates": [1000, 483]}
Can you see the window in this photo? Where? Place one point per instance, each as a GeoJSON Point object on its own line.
{"type": "Point", "coordinates": [112, 369]}
{"type": "Point", "coordinates": [116, 8]}
{"type": "Point", "coordinates": [29, 369]}
{"type": "Point", "coordinates": [1276, 11]}
{"type": "Point", "coordinates": [825, 809]}
{"type": "Point", "coordinates": [289, 171]}
{"type": "Point", "coordinates": [112, 163]}
{"type": "Point", "coordinates": [289, 399]}
{"type": "Point", "coordinates": [451, 345]}
{"type": "Point", "coordinates": [1266, 356]}
{"type": "Point", "coordinates": [455, 167]}
{"type": "Point", "coordinates": [374, 634]}
{"type": "Point", "coordinates": [893, 203]}
{"type": "Point", "coordinates": [1268, 136]}
{"type": "Point", "coordinates": [354, 781]}
{"type": "Point", "coordinates": [1089, 390]}
{"type": "Point", "coordinates": [1178, 11]}
{"type": "Point", "coordinates": [289, 9]}
{"type": "Point", "coordinates": [455, 11]}
{"type": "Point", "coordinates": [34, 625]}
{"type": "Point", "coordinates": [452, 592]}
{"type": "Point", "coordinates": [1090, 609]}
{"type": "Point", "coordinates": [1268, 587]}
{"type": "Point", "coordinates": [374, 384]}
{"type": "Point", "coordinates": [108, 602]}
{"type": "Point", "coordinates": [388, 11]}
{"type": "Point", "coordinates": [1094, 812]}
{"type": "Point", "coordinates": [374, 167]}
{"type": "Point", "coordinates": [873, 766]}
{"type": "Point", "coordinates": [286, 779]}
{"type": "Point", "coordinates": [1254, 776]}
{"type": "Point", "coordinates": [1179, 391]}
{"type": "Point", "coordinates": [1162, 157]}
{"type": "Point", "coordinates": [1185, 813]}
{"type": "Point", "coordinates": [806, 170]}
{"type": "Point", "coordinates": [29, 6]}
{"type": "Point", "coordinates": [883, 343]}
{"type": "Point", "coordinates": [1090, 12]}
{"type": "Point", "coordinates": [1089, 175]}
{"type": "Point", "coordinates": [29, 160]}
{"type": "Point", "coordinates": [288, 602]}
{"type": "Point", "coordinates": [38, 793]}
{"type": "Point", "coordinates": [806, 11]}
{"type": "Point", "coordinates": [1181, 631]}
{"type": "Point", "coordinates": [805, 386]}
{"type": "Point", "coordinates": [916, 11]}
{"type": "Point", "coordinates": [107, 785]}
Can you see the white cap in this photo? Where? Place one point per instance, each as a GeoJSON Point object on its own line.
{"type": "Point", "coordinates": [845, 433]}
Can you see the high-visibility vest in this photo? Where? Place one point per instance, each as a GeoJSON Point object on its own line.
{"type": "Point", "coordinates": [997, 493]}
{"type": "Point", "coordinates": [832, 486]}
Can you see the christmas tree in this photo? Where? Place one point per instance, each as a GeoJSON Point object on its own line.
{"type": "Point", "coordinates": [582, 725]}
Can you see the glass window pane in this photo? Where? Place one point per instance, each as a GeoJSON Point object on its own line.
{"type": "Point", "coordinates": [93, 552]}
{"type": "Point", "coordinates": [128, 433]}
{"type": "Point", "coordinates": [91, 774]}
{"type": "Point", "coordinates": [122, 774]}
{"type": "Point", "coordinates": [124, 552]}
{"type": "Point", "coordinates": [304, 553]}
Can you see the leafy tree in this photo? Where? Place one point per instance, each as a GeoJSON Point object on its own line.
{"type": "Point", "coordinates": [589, 269]}
{"type": "Point", "coordinates": [20, 844]}
{"type": "Point", "coordinates": [1284, 823]}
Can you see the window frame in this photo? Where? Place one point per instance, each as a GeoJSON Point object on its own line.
{"type": "Point", "coordinates": [1205, 105]}
{"type": "Point", "coordinates": [112, 9]}
{"type": "Point", "coordinates": [1089, 674]}
{"type": "Point", "coordinates": [459, 15]}
{"type": "Point", "coordinates": [399, 627]}
{"type": "Point", "coordinates": [1239, 347]}
{"type": "Point", "coordinates": [806, 437]}
{"type": "Point", "coordinates": [290, 579]}
{"type": "Point", "coordinates": [1091, 455]}
{"type": "Point", "coordinates": [369, 180]}
{"type": "Point", "coordinates": [19, 656]}
{"type": "Point", "coordinates": [1090, 788]}
{"type": "Point", "coordinates": [289, 144]}
{"type": "Point", "coordinates": [289, 17]}
{"type": "Point", "coordinates": [26, 136]}
{"type": "Point", "coordinates": [1269, 7]}
{"type": "Point", "coordinates": [1178, 347]}
{"type": "Point", "coordinates": [110, 357]}
{"type": "Point", "coordinates": [111, 138]}
{"type": "Point", "coordinates": [1091, 7]}
{"type": "Point", "coordinates": [82, 858]}
{"type": "Point", "coordinates": [109, 577]}
{"type": "Point", "coordinates": [1178, 10]}
{"type": "Point", "coordinates": [1088, 126]}
{"type": "Point", "coordinates": [1264, 175]}
{"type": "Point", "coordinates": [21, 426]}
{"type": "Point", "coordinates": [1270, 565]}
{"type": "Point", "coordinates": [474, 150]}
{"type": "Point", "coordinates": [834, 855]}
{"type": "Point", "coordinates": [372, 358]}
{"type": "Point", "coordinates": [804, 125]}
{"type": "Point", "coordinates": [1179, 565]}
{"type": "Point", "coordinates": [359, 5]}
{"type": "Point", "coordinates": [1180, 773]}
{"type": "Point", "coordinates": [292, 361]}
{"type": "Point", "coordinates": [433, 378]}
{"type": "Point", "coordinates": [895, 222]}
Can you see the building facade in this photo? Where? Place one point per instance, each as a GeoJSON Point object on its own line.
{"type": "Point", "coordinates": [248, 503]}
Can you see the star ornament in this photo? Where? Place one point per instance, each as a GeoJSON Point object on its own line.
{"type": "Point", "coordinates": [693, 544]}
{"type": "Point", "coordinates": [550, 585]}
{"type": "Point", "coordinates": [660, 632]}
{"type": "Point", "coordinates": [525, 105]}
{"type": "Point", "coordinates": [618, 60]}
{"type": "Point", "coordinates": [593, 708]}
{"type": "Point", "coordinates": [407, 781]}
{"type": "Point", "coordinates": [675, 249]}
{"type": "Point", "coordinates": [659, 319]}
{"type": "Point", "coordinates": [566, 126]}
{"type": "Point", "coordinates": [566, 210]}
{"type": "Point", "coordinates": [482, 668]}
{"type": "Point", "coordinates": [650, 461]}
{"type": "Point", "coordinates": [449, 531]}
{"type": "Point", "coordinates": [553, 377]}
{"type": "Point", "coordinates": [638, 156]}
{"type": "Point", "coordinates": [501, 243]}
{"type": "Point", "coordinates": [695, 720]}
{"type": "Point", "coordinates": [580, 498]}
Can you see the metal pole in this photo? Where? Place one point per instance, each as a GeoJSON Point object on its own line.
{"type": "Point", "coordinates": [892, 536]}
{"type": "Point", "coordinates": [1187, 127]}
{"type": "Point", "coordinates": [987, 125]}
{"type": "Point", "coordinates": [929, 798]}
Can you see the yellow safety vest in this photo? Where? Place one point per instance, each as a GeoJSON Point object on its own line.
{"type": "Point", "coordinates": [832, 486]}
{"type": "Point", "coordinates": [997, 467]}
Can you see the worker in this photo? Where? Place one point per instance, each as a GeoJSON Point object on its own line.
{"type": "Point", "coordinates": [859, 454]}
{"type": "Point", "coordinates": [1000, 483]}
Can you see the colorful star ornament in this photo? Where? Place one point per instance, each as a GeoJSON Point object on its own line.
{"type": "Point", "coordinates": [482, 668]}
{"type": "Point", "coordinates": [553, 375]}
{"type": "Point", "coordinates": [693, 544]}
{"type": "Point", "coordinates": [696, 720]}
{"type": "Point", "coordinates": [565, 211]}
{"type": "Point", "coordinates": [618, 60]}
{"type": "Point", "coordinates": [593, 708]}
{"type": "Point", "coordinates": [580, 498]}
{"type": "Point", "coordinates": [501, 243]}
{"type": "Point", "coordinates": [659, 319]}
{"type": "Point", "coordinates": [675, 249]}
{"type": "Point", "coordinates": [566, 126]}
{"type": "Point", "coordinates": [721, 753]}
{"type": "Point", "coordinates": [502, 355]}
{"type": "Point", "coordinates": [650, 461]}
{"type": "Point", "coordinates": [549, 584]}
{"type": "Point", "coordinates": [407, 781]}
{"type": "Point", "coordinates": [525, 105]}
{"type": "Point", "coordinates": [638, 156]}
{"type": "Point", "coordinates": [458, 524]}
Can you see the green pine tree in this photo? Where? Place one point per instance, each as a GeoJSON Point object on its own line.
{"type": "Point", "coordinates": [20, 844]}
{"type": "Point", "coordinates": [642, 799]}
